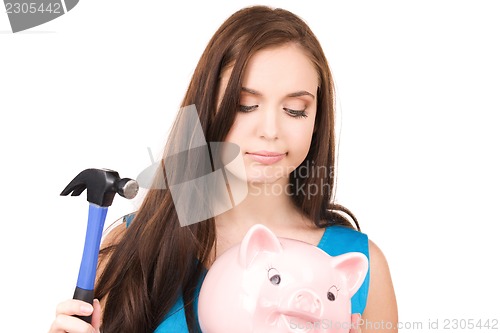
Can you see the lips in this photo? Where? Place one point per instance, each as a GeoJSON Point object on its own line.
{"type": "Point", "coordinates": [266, 157]}
{"type": "Point", "coordinates": [266, 153]}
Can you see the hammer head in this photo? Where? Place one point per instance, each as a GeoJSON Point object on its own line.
{"type": "Point", "coordinates": [101, 185]}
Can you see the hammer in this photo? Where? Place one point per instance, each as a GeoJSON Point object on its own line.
{"type": "Point", "coordinates": [101, 185]}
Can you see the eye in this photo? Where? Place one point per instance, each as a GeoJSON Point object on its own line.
{"type": "Point", "coordinates": [332, 293]}
{"type": "Point", "coordinates": [274, 276]}
{"type": "Point", "coordinates": [247, 108]}
{"type": "Point", "coordinates": [296, 113]}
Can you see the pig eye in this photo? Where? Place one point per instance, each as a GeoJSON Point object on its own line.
{"type": "Point", "coordinates": [332, 293]}
{"type": "Point", "coordinates": [274, 276]}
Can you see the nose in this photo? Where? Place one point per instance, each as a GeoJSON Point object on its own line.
{"type": "Point", "coordinates": [307, 302]}
{"type": "Point", "coordinates": [268, 126]}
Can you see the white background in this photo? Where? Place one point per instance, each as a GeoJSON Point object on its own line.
{"type": "Point", "coordinates": [419, 86]}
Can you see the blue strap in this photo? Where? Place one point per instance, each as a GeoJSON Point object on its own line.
{"type": "Point", "coordinates": [128, 219]}
{"type": "Point", "coordinates": [338, 240]}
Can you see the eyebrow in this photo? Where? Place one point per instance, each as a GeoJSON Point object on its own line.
{"type": "Point", "coordinates": [294, 94]}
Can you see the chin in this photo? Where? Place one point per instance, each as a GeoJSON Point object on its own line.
{"type": "Point", "coordinates": [260, 179]}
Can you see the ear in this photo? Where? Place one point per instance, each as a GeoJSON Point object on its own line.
{"type": "Point", "coordinates": [257, 240]}
{"type": "Point", "coordinates": [354, 267]}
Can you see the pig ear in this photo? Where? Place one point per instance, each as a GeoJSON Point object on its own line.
{"type": "Point", "coordinates": [258, 239]}
{"type": "Point", "coordinates": [354, 267]}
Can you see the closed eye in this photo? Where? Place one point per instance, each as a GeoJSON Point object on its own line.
{"type": "Point", "coordinates": [247, 108]}
{"type": "Point", "coordinates": [296, 113]}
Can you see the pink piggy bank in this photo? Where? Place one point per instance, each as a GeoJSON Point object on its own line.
{"type": "Point", "coordinates": [270, 284]}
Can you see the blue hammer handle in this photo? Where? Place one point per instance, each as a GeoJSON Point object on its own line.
{"type": "Point", "coordinates": [86, 277]}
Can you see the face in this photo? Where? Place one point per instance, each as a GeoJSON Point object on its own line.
{"type": "Point", "coordinates": [275, 120]}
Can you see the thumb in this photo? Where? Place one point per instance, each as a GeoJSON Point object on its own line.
{"type": "Point", "coordinates": [355, 323]}
{"type": "Point", "coordinates": [96, 315]}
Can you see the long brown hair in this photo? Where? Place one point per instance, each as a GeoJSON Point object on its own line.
{"type": "Point", "coordinates": [155, 261]}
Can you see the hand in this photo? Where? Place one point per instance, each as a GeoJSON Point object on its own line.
{"type": "Point", "coordinates": [355, 319]}
{"type": "Point", "coordinates": [65, 322]}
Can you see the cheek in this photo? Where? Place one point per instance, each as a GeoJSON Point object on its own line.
{"type": "Point", "coordinates": [300, 138]}
{"type": "Point", "coordinates": [235, 131]}
{"type": "Point", "coordinates": [300, 152]}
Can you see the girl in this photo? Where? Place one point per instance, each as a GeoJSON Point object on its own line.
{"type": "Point", "coordinates": [264, 84]}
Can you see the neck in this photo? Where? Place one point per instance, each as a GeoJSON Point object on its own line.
{"type": "Point", "coordinates": [267, 204]}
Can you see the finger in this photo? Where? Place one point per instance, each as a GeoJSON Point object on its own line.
{"type": "Point", "coordinates": [64, 323]}
{"type": "Point", "coordinates": [96, 315]}
{"type": "Point", "coordinates": [355, 323]}
{"type": "Point", "coordinates": [74, 307]}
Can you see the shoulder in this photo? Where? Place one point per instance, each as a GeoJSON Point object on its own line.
{"type": "Point", "coordinates": [381, 286]}
{"type": "Point", "coordinates": [381, 303]}
{"type": "Point", "coordinates": [380, 273]}
{"type": "Point", "coordinates": [377, 257]}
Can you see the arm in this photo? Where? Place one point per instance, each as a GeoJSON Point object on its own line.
{"type": "Point", "coordinates": [381, 304]}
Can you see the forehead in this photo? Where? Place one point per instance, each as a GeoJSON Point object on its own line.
{"type": "Point", "coordinates": [283, 69]}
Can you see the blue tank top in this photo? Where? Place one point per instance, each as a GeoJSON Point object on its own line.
{"type": "Point", "coordinates": [336, 240]}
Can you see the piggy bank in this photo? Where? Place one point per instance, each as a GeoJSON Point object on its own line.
{"type": "Point", "coordinates": [270, 284]}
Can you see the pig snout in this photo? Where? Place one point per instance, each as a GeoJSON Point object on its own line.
{"type": "Point", "coordinates": [307, 303]}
